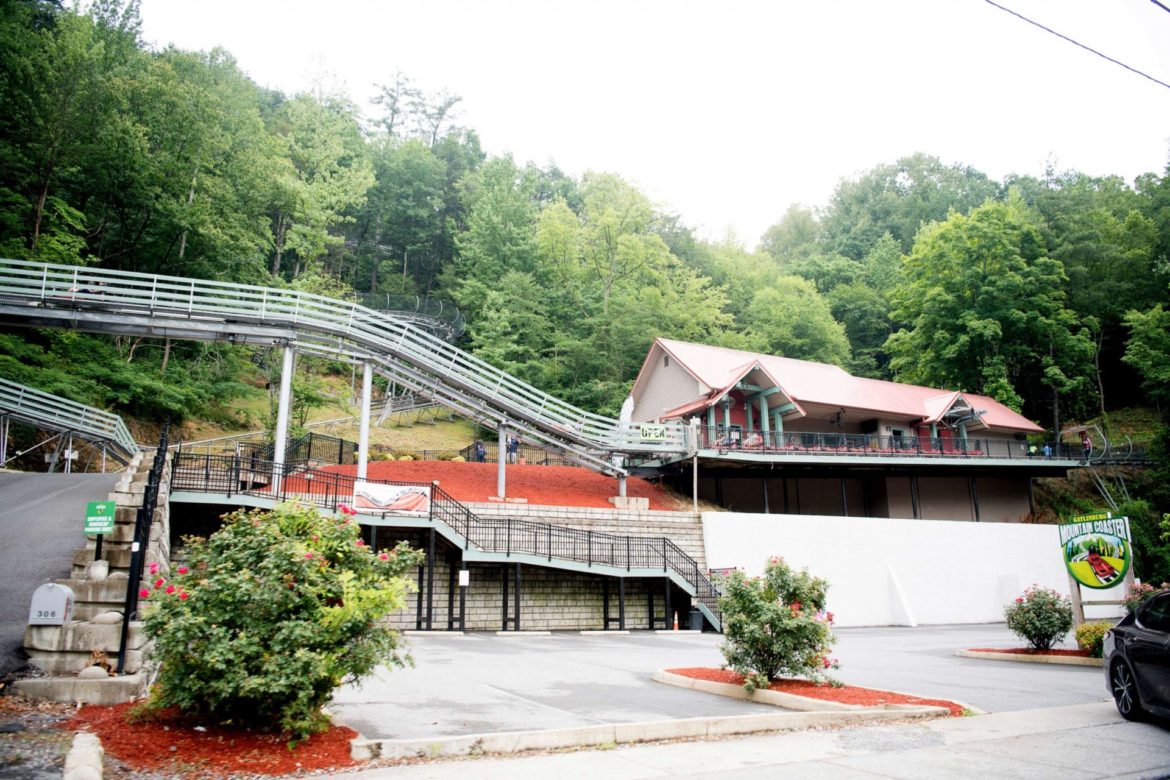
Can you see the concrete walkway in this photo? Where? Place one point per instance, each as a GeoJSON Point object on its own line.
{"type": "Point", "coordinates": [1082, 741]}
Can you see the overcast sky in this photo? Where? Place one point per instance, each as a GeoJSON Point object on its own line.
{"type": "Point", "coordinates": [728, 111]}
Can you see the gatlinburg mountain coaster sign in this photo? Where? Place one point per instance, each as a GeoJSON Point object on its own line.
{"type": "Point", "coordinates": [1097, 549]}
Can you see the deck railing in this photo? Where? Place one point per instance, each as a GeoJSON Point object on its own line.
{"type": "Point", "coordinates": [233, 475]}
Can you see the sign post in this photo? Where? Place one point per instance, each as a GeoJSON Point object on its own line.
{"type": "Point", "coordinates": [99, 519]}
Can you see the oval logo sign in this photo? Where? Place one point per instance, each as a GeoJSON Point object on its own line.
{"type": "Point", "coordinates": [1097, 551]}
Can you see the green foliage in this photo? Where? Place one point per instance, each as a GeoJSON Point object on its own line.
{"type": "Point", "coordinates": [984, 309]}
{"type": "Point", "coordinates": [776, 625]}
{"type": "Point", "coordinates": [1041, 617]}
{"type": "Point", "coordinates": [1090, 637]}
{"type": "Point", "coordinates": [1148, 350]}
{"type": "Point", "coordinates": [126, 375]}
{"type": "Point", "coordinates": [1151, 540]}
{"type": "Point", "coordinates": [791, 319]}
{"type": "Point", "coordinates": [270, 615]}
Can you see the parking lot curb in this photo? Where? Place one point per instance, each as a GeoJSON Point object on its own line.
{"type": "Point", "coordinates": [789, 701]}
{"type": "Point", "coordinates": [609, 734]}
{"type": "Point", "coordinates": [1066, 660]}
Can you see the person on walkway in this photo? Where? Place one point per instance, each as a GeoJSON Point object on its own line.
{"type": "Point", "coordinates": [480, 452]}
{"type": "Point", "coordinates": [513, 449]}
{"type": "Point", "coordinates": [1086, 445]}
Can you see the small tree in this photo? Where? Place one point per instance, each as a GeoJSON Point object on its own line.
{"type": "Point", "coordinates": [1041, 617]}
{"type": "Point", "coordinates": [271, 614]}
{"type": "Point", "coordinates": [776, 624]}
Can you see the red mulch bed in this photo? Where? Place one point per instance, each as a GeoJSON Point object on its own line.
{"type": "Point", "coordinates": [1030, 651]}
{"type": "Point", "coordinates": [546, 485]}
{"type": "Point", "coordinates": [846, 694]}
{"type": "Point", "coordinates": [171, 743]}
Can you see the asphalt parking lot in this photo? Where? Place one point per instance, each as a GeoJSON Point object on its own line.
{"type": "Point", "coordinates": [481, 683]}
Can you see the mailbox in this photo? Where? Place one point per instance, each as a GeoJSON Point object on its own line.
{"type": "Point", "coordinates": [52, 605]}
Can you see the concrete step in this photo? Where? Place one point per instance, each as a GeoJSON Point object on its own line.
{"type": "Point", "coordinates": [107, 591]}
{"type": "Point", "coordinates": [112, 690]}
{"type": "Point", "coordinates": [60, 664]}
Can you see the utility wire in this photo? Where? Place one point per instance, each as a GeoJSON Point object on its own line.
{"type": "Point", "coordinates": [1165, 8]}
{"type": "Point", "coordinates": [1083, 46]}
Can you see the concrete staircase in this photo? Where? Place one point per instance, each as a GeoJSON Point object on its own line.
{"type": "Point", "coordinates": [71, 654]}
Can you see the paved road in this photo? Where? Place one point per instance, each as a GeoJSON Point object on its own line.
{"type": "Point", "coordinates": [923, 661]}
{"type": "Point", "coordinates": [483, 683]}
{"type": "Point", "coordinates": [41, 517]}
{"type": "Point", "coordinates": [1082, 741]}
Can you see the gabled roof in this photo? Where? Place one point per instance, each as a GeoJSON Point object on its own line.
{"type": "Point", "coordinates": [821, 383]}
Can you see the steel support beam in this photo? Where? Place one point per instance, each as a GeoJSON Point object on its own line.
{"type": "Point", "coordinates": [501, 461]}
{"type": "Point", "coordinates": [430, 579]}
{"type": "Point", "coordinates": [283, 412]}
{"type": "Point", "coordinates": [364, 420]}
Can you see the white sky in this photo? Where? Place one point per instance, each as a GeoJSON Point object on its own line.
{"type": "Point", "coordinates": [728, 111]}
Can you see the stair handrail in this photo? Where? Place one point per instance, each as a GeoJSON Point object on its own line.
{"type": "Point", "coordinates": [330, 489]}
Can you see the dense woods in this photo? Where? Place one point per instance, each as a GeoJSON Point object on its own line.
{"type": "Point", "coordinates": [1045, 291]}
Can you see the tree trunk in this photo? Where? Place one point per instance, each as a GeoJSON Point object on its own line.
{"type": "Point", "coordinates": [183, 239]}
{"type": "Point", "coordinates": [278, 244]}
{"type": "Point", "coordinates": [1098, 343]}
{"type": "Point", "coordinates": [166, 356]}
{"type": "Point", "coordinates": [38, 216]}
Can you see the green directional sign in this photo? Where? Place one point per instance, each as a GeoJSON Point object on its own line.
{"type": "Point", "coordinates": [99, 517]}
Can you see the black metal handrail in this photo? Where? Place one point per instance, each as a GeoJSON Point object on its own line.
{"type": "Point", "coordinates": [233, 475]}
{"type": "Point", "coordinates": [142, 523]}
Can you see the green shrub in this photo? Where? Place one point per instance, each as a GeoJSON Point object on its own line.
{"type": "Point", "coordinates": [776, 625]}
{"type": "Point", "coordinates": [271, 614]}
{"type": "Point", "coordinates": [1041, 617]}
{"type": "Point", "coordinates": [1091, 635]}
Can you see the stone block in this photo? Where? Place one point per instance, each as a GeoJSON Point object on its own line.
{"type": "Point", "coordinates": [78, 637]}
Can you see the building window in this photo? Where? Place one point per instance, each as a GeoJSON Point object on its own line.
{"type": "Point", "coordinates": [666, 361]}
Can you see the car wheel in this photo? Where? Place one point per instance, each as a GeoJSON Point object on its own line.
{"type": "Point", "coordinates": [1124, 688]}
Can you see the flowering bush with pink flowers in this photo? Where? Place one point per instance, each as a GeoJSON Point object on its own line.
{"type": "Point", "coordinates": [1041, 616]}
{"type": "Point", "coordinates": [1137, 594]}
{"type": "Point", "coordinates": [776, 625]}
{"type": "Point", "coordinates": [271, 614]}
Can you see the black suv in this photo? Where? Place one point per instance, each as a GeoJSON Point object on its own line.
{"type": "Point", "coordinates": [1137, 660]}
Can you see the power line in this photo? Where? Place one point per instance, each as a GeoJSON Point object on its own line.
{"type": "Point", "coordinates": [1078, 43]}
{"type": "Point", "coordinates": [1163, 7]}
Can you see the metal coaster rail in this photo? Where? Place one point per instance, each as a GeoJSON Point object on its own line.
{"type": "Point", "coordinates": [235, 475]}
{"type": "Point", "coordinates": [112, 301]}
{"type": "Point", "coordinates": [52, 412]}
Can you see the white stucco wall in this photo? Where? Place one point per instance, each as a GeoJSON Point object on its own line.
{"type": "Point", "coordinates": [902, 572]}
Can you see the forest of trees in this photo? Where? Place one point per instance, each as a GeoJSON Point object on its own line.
{"type": "Point", "coordinates": [1047, 292]}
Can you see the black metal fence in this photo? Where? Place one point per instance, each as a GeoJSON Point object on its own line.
{"type": "Point", "coordinates": [233, 475]}
{"type": "Point", "coordinates": [312, 448]}
{"type": "Point", "coordinates": [797, 442]}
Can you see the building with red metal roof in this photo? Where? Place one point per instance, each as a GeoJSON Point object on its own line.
{"type": "Point", "coordinates": [777, 434]}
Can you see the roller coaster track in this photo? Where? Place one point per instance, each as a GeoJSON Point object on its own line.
{"type": "Point", "coordinates": [53, 413]}
{"type": "Point", "coordinates": [123, 302]}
